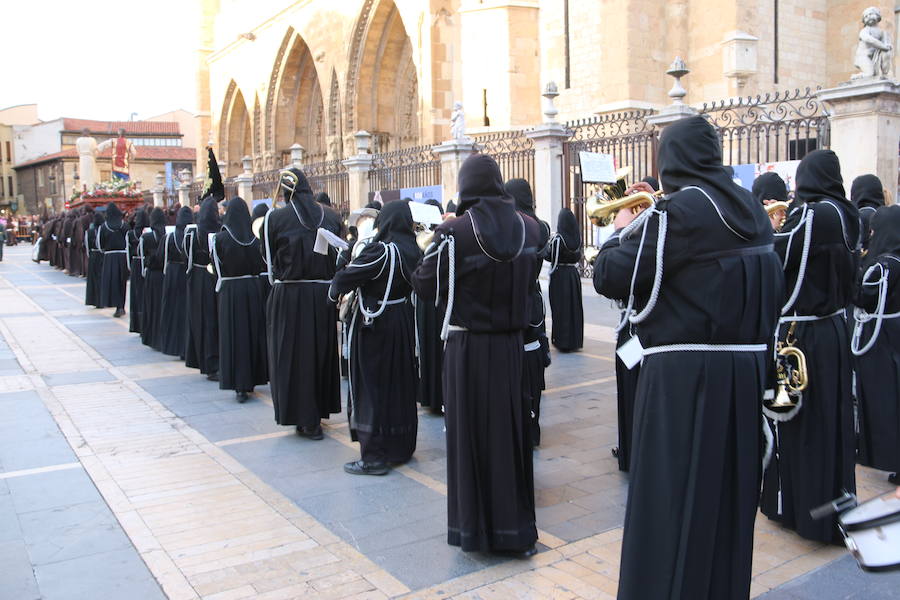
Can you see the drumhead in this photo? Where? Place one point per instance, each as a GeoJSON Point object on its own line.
{"type": "Point", "coordinates": [877, 512]}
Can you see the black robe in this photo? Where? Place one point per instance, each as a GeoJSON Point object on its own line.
{"type": "Point", "coordinates": [77, 259]}
{"type": "Point", "coordinates": [563, 254]}
{"type": "Point", "coordinates": [381, 406]}
{"type": "Point", "coordinates": [152, 261]}
{"type": "Point", "coordinates": [431, 354]}
{"type": "Point", "coordinates": [68, 246]}
{"type": "Point", "coordinates": [136, 281]}
{"type": "Point", "coordinates": [114, 273]}
{"type": "Point", "coordinates": [173, 319]}
{"type": "Point", "coordinates": [878, 375]}
{"type": "Point", "coordinates": [814, 457]}
{"type": "Point", "coordinates": [697, 437]}
{"type": "Point", "coordinates": [490, 481]}
{"type": "Point", "coordinates": [242, 313]}
{"type": "Point", "coordinates": [44, 250]}
{"type": "Point", "coordinates": [301, 323]}
{"type": "Point", "coordinates": [51, 239]}
{"type": "Point", "coordinates": [95, 268]}
{"type": "Point", "coordinates": [202, 351]}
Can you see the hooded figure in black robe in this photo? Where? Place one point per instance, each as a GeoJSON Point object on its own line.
{"type": "Point", "coordinates": [259, 212]}
{"type": "Point", "coordinates": [815, 445]}
{"type": "Point", "coordinates": [322, 198]}
{"type": "Point", "coordinates": [867, 194]}
{"type": "Point", "coordinates": [60, 242]}
{"type": "Point", "coordinates": [114, 277]}
{"type": "Point", "coordinates": [95, 261]}
{"type": "Point", "coordinates": [173, 310]}
{"type": "Point", "coordinates": [301, 322]}
{"type": "Point", "coordinates": [242, 312]}
{"type": "Point", "coordinates": [430, 349]}
{"type": "Point", "coordinates": [697, 448]}
{"type": "Point", "coordinates": [152, 270]}
{"type": "Point", "coordinates": [202, 350]}
{"type": "Point", "coordinates": [78, 255]}
{"type": "Point", "coordinates": [490, 481]}
{"type": "Point", "coordinates": [563, 254]}
{"type": "Point", "coordinates": [537, 349]}
{"type": "Point", "coordinates": [626, 381]}
{"type": "Point", "coordinates": [877, 346]}
{"type": "Point", "coordinates": [136, 297]}
{"type": "Point", "coordinates": [383, 381]}
{"type": "Point", "coordinates": [52, 242]}
{"type": "Point", "coordinates": [68, 231]}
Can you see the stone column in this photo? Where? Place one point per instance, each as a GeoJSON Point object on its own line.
{"type": "Point", "coordinates": [184, 187]}
{"type": "Point", "coordinates": [297, 152]}
{"type": "Point", "coordinates": [245, 182]}
{"type": "Point", "coordinates": [452, 154]}
{"type": "Point", "coordinates": [548, 139]}
{"type": "Point", "coordinates": [678, 109]}
{"type": "Point", "coordinates": [865, 129]}
{"type": "Point", "coordinates": [158, 190]}
{"type": "Point", "coordinates": [358, 167]}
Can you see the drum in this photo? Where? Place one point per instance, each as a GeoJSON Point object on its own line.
{"type": "Point", "coordinates": [871, 531]}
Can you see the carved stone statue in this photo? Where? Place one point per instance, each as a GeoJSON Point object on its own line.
{"type": "Point", "coordinates": [458, 122]}
{"type": "Point", "coordinates": [874, 53]}
{"type": "Point", "coordinates": [87, 159]}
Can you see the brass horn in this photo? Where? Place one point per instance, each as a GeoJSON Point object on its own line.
{"type": "Point", "coordinates": [791, 379]}
{"type": "Point", "coordinates": [605, 205]}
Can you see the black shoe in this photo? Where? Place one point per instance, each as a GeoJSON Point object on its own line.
{"type": "Point", "coordinates": [359, 467]}
{"type": "Point", "coordinates": [525, 553]}
{"type": "Point", "coordinates": [242, 397]}
{"type": "Point", "coordinates": [119, 312]}
{"type": "Point", "coordinates": [314, 433]}
{"type": "Point", "coordinates": [894, 478]}
{"type": "Point", "coordinates": [213, 376]}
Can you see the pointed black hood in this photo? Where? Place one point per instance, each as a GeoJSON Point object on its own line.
{"type": "Point", "coordinates": [769, 186]}
{"type": "Point", "coordinates": [520, 190]}
{"type": "Point", "coordinates": [567, 228]}
{"type": "Point", "coordinates": [237, 221]}
{"type": "Point", "coordinates": [497, 224]}
{"type": "Point", "coordinates": [260, 210]}
{"type": "Point", "coordinates": [113, 216]}
{"type": "Point", "coordinates": [184, 218]}
{"type": "Point", "coordinates": [310, 212]}
{"type": "Point", "coordinates": [208, 218]}
{"type": "Point", "coordinates": [867, 190]}
{"type": "Point", "coordinates": [158, 221]}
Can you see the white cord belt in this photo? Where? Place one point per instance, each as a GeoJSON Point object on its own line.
{"type": "Point", "coordinates": [233, 277]}
{"type": "Point", "coordinates": [395, 301]}
{"type": "Point", "coordinates": [705, 348]}
{"type": "Point", "coordinates": [566, 264]}
{"type": "Point", "coordinates": [532, 346]}
{"type": "Point", "coordinates": [92, 250]}
{"type": "Point", "coordinates": [199, 266]}
{"type": "Point", "coordinates": [114, 251]}
{"type": "Point", "coordinates": [803, 318]}
{"type": "Point", "coordinates": [452, 328]}
{"type": "Point", "coordinates": [302, 281]}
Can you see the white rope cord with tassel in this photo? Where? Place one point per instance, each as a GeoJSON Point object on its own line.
{"type": "Point", "coordinates": [862, 317]}
{"type": "Point", "coordinates": [391, 253]}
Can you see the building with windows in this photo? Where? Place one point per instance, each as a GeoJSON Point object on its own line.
{"type": "Point", "coordinates": [10, 199]}
{"type": "Point", "coordinates": [272, 73]}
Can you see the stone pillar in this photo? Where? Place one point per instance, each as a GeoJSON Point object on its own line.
{"type": "Point", "coordinates": [184, 187]}
{"type": "Point", "coordinates": [548, 138]}
{"type": "Point", "coordinates": [158, 190]}
{"type": "Point", "coordinates": [865, 129]}
{"type": "Point", "coordinates": [245, 182]}
{"type": "Point", "coordinates": [678, 109]}
{"type": "Point", "coordinates": [452, 154]}
{"type": "Point", "coordinates": [297, 152]}
{"type": "Point", "coordinates": [358, 167]}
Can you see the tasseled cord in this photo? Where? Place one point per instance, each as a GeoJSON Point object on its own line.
{"type": "Point", "coordinates": [643, 221]}
{"type": "Point", "coordinates": [448, 242]}
{"type": "Point", "coordinates": [862, 317]}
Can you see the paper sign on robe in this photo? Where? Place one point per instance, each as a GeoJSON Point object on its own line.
{"type": "Point", "coordinates": [425, 214]}
{"type": "Point", "coordinates": [597, 167]}
{"type": "Point", "coordinates": [210, 239]}
{"type": "Point", "coordinates": [631, 352]}
{"type": "Point", "coordinates": [325, 238]}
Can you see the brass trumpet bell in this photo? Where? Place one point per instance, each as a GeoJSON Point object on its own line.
{"type": "Point", "coordinates": [792, 379]}
{"type": "Point", "coordinates": [606, 211]}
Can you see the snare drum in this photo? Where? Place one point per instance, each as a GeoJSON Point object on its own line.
{"type": "Point", "coordinates": [872, 533]}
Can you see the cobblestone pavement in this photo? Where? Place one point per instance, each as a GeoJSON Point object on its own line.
{"type": "Point", "coordinates": [123, 474]}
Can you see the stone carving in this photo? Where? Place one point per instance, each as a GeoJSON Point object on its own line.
{"type": "Point", "coordinates": [87, 159]}
{"type": "Point", "coordinates": [458, 122]}
{"type": "Point", "coordinates": [874, 52]}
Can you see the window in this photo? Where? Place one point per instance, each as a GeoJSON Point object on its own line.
{"type": "Point", "coordinates": [8, 152]}
{"type": "Point", "coordinates": [2, 191]}
{"type": "Point", "coordinates": [12, 190]}
{"type": "Point", "coordinates": [40, 177]}
{"type": "Point", "coordinates": [1, 154]}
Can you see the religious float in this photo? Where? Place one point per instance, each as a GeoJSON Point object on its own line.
{"type": "Point", "coordinates": [120, 189]}
{"type": "Point", "coordinates": [124, 193]}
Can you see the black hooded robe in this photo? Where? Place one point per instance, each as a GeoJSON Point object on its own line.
{"type": "Point", "coordinates": [136, 279]}
{"type": "Point", "coordinates": [242, 313]}
{"type": "Point", "coordinates": [301, 322]}
{"type": "Point", "coordinates": [696, 453]}
{"type": "Point", "coordinates": [173, 311]}
{"type": "Point", "coordinates": [878, 367]}
{"type": "Point", "coordinates": [867, 194]}
{"type": "Point", "coordinates": [78, 262]}
{"type": "Point", "coordinates": [814, 452]}
{"type": "Point", "coordinates": [152, 268]}
{"type": "Point", "coordinates": [490, 481]}
{"type": "Point", "coordinates": [114, 274]}
{"type": "Point", "coordinates": [95, 262]}
{"type": "Point", "coordinates": [259, 212]}
{"type": "Point", "coordinates": [431, 351]}
{"type": "Point", "coordinates": [202, 351]}
{"type": "Point", "coordinates": [563, 254]}
{"type": "Point", "coordinates": [383, 381]}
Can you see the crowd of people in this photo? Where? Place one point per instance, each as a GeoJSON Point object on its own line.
{"type": "Point", "coordinates": [710, 289]}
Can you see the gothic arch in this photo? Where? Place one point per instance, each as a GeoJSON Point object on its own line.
{"type": "Point", "coordinates": [235, 138]}
{"type": "Point", "coordinates": [294, 105]}
{"type": "Point", "coordinates": [257, 134]}
{"type": "Point", "coordinates": [382, 84]}
{"type": "Point", "coordinates": [335, 128]}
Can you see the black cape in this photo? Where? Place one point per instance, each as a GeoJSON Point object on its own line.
{"type": "Point", "coordinates": [173, 311]}
{"type": "Point", "coordinates": [136, 279]}
{"type": "Point", "coordinates": [301, 322]}
{"type": "Point", "coordinates": [114, 273]}
{"type": "Point", "coordinates": [490, 481]}
{"type": "Point", "coordinates": [152, 267]}
{"type": "Point", "coordinates": [867, 194]}
{"type": "Point", "coordinates": [202, 350]}
{"type": "Point", "coordinates": [696, 452]}
{"type": "Point", "coordinates": [383, 379]}
{"type": "Point", "coordinates": [563, 254]}
{"type": "Point", "coordinates": [242, 314]}
{"type": "Point", "coordinates": [430, 350]}
{"type": "Point", "coordinates": [814, 458]}
{"type": "Point", "coordinates": [95, 263]}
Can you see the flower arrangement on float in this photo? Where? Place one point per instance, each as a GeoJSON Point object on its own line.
{"type": "Point", "coordinates": [108, 189]}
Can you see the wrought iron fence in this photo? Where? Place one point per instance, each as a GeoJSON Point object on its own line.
{"type": "Point", "coordinates": [513, 151]}
{"type": "Point", "coordinates": [231, 187]}
{"type": "Point", "coordinates": [626, 135]}
{"type": "Point", "coordinates": [331, 177]}
{"type": "Point", "coordinates": [416, 166]}
{"type": "Point", "coordinates": [265, 184]}
{"type": "Point", "coordinates": [772, 127]}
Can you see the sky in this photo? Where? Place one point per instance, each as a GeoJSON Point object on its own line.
{"type": "Point", "coordinates": [99, 59]}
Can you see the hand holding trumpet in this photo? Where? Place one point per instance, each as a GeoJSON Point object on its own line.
{"type": "Point", "coordinates": [626, 216]}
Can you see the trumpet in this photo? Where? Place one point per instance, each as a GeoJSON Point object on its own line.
{"type": "Point", "coordinates": [792, 379]}
{"type": "Point", "coordinates": [605, 205]}
{"type": "Point", "coordinates": [775, 207]}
